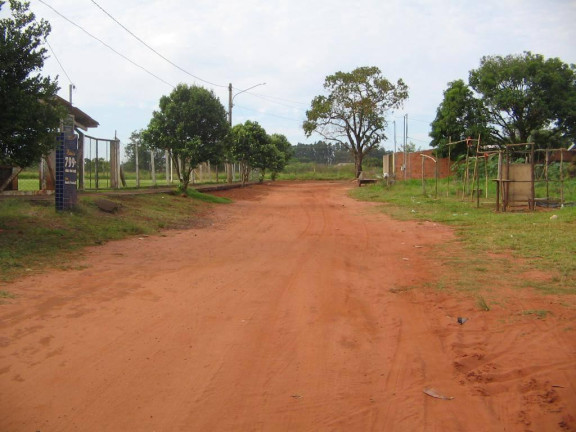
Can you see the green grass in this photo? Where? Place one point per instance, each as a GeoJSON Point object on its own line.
{"type": "Point", "coordinates": [511, 242]}
{"type": "Point", "coordinates": [193, 193]}
{"type": "Point", "coordinates": [33, 236]}
{"type": "Point", "coordinates": [311, 171]}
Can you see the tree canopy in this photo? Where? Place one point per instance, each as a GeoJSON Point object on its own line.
{"type": "Point", "coordinates": [281, 154]}
{"type": "Point", "coordinates": [353, 113]}
{"type": "Point", "coordinates": [253, 148]}
{"type": "Point", "coordinates": [511, 99]}
{"type": "Point", "coordinates": [29, 113]}
{"type": "Point", "coordinates": [459, 116]}
{"type": "Point", "coordinates": [191, 123]}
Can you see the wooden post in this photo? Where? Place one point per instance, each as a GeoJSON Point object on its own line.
{"type": "Point", "coordinates": [532, 203]}
{"type": "Point", "coordinates": [137, 162]}
{"type": "Point", "coordinates": [152, 167]}
{"type": "Point", "coordinates": [475, 177]}
{"type": "Point", "coordinates": [80, 161]}
{"type": "Point", "coordinates": [436, 177]}
{"type": "Point", "coordinates": [167, 156]}
{"type": "Point", "coordinates": [562, 176]}
{"type": "Point", "coordinates": [486, 158]}
{"type": "Point", "coordinates": [467, 172]}
{"type": "Point", "coordinates": [114, 165]}
{"type": "Point", "coordinates": [423, 183]}
{"type": "Point", "coordinates": [449, 164]}
{"type": "Point", "coordinates": [546, 162]}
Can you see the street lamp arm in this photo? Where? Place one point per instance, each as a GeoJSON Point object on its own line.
{"type": "Point", "coordinates": [231, 99]}
{"type": "Point", "coordinates": [250, 88]}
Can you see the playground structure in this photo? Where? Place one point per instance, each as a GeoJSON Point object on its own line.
{"type": "Point", "coordinates": [516, 174]}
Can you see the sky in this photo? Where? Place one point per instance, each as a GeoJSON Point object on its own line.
{"type": "Point", "coordinates": [291, 46]}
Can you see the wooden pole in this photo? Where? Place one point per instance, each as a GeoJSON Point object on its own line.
{"type": "Point", "coordinates": [467, 172]}
{"type": "Point", "coordinates": [449, 164]}
{"type": "Point", "coordinates": [486, 158]}
{"type": "Point", "coordinates": [137, 162]}
{"type": "Point", "coordinates": [532, 203]}
{"type": "Point", "coordinates": [423, 183]}
{"type": "Point", "coordinates": [547, 161]}
{"type": "Point", "coordinates": [477, 169]}
{"type": "Point", "coordinates": [152, 167]}
{"type": "Point", "coordinates": [562, 176]}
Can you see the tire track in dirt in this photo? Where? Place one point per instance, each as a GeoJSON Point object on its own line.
{"type": "Point", "coordinates": [298, 309]}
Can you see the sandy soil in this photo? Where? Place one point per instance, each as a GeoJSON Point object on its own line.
{"type": "Point", "coordinates": [296, 309]}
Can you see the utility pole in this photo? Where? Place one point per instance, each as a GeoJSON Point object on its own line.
{"type": "Point", "coordinates": [70, 88]}
{"type": "Point", "coordinates": [230, 106]}
{"type": "Point", "coordinates": [229, 165]}
{"type": "Point", "coordinates": [405, 150]}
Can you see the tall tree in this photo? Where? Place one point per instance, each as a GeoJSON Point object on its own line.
{"type": "Point", "coordinates": [458, 117]}
{"type": "Point", "coordinates": [192, 125]}
{"type": "Point", "coordinates": [251, 147]}
{"type": "Point", "coordinates": [29, 113]}
{"type": "Point", "coordinates": [353, 113]}
{"type": "Point", "coordinates": [282, 154]}
{"type": "Point", "coordinates": [526, 93]}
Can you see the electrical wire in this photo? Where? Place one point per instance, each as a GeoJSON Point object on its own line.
{"type": "Point", "coordinates": [56, 57]}
{"type": "Point", "coordinates": [267, 98]}
{"type": "Point", "coordinates": [106, 45]}
{"type": "Point", "coordinates": [273, 99]}
{"type": "Point", "coordinates": [267, 114]}
{"type": "Point", "coordinates": [154, 51]}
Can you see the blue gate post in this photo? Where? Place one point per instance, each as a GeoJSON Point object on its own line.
{"type": "Point", "coordinates": [66, 171]}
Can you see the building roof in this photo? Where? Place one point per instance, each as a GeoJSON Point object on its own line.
{"type": "Point", "coordinates": [81, 119]}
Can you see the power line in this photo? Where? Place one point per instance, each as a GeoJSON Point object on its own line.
{"type": "Point", "coordinates": [417, 139]}
{"type": "Point", "coordinates": [106, 45]}
{"type": "Point", "coordinates": [273, 99]}
{"type": "Point", "coordinates": [268, 114]}
{"type": "Point", "coordinates": [56, 57]}
{"type": "Point", "coordinates": [268, 98]}
{"type": "Point", "coordinates": [154, 51]}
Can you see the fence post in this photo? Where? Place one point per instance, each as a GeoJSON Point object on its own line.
{"type": "Point", "coordinates": [137, 162]}
{"type": "Point", "coordinates": [114, 164]}
{"type": "Point", "coordinates": [152, 167]}
{"type": "Point", "coordinates": [80, 157]}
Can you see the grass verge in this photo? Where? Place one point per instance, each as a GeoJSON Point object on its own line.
{"type": "Point", "coordinates": [33, 236]}
{"type": "Point", "coordinates": [496, 245]}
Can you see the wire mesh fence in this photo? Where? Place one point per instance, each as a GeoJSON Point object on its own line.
{"type": "Point", "coordinates": [102, 166]}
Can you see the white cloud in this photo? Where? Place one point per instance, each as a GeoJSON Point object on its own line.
{"type": "Point", "coordinates": [292, 46]}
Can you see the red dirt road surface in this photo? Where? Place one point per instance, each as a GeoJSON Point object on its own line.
{"type": "Point", "coordinates": [296, 308]}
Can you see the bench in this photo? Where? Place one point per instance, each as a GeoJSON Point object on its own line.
{"type": "Point", "coordinates": [366, 181]}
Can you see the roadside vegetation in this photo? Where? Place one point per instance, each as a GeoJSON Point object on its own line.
{"type": "Point", "coordinates": [33, 236]}
{"type": "Point", "coordinates": [498, 247]}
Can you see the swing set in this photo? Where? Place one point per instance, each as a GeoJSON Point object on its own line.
{"type": "Point", "coordinates": [515, 178]}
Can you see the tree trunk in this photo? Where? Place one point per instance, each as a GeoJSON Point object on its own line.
{"type": "Point", "coordinates": [244, 172]}
{"type": "Point", "coordinates": [358, 163]}
{"type": "Point", "coordinates": [185, 179]}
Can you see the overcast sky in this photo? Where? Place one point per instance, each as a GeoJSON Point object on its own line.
{"type": "Point", "coordinates": [291, 45]}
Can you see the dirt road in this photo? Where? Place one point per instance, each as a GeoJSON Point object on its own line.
{"type": "Point", "coordinates": [296, 309]}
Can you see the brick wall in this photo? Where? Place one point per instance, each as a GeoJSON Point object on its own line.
{"type": "Point", "coordinates": [414, 165]}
